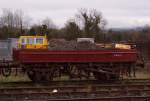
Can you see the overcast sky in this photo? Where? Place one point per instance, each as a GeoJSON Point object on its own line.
{"type": "Point", "coordinates": [118, 13]}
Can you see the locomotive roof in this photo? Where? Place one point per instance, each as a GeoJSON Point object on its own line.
{"type": "Point", "coordinates": [32, 36]}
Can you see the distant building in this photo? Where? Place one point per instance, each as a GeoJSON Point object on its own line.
{"type": "Point", "coordinates": [85, 40]}
{"type": "Point", "coordinates": [6, 47]}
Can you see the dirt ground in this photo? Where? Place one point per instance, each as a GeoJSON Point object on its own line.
{"type": "Point", "coordinates": [143, 73]}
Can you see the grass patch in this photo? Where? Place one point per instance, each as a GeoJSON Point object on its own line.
{"type": "Point", "coordinates": [18, 78]}
{"type": "Point", "coordinates": [143, 74]}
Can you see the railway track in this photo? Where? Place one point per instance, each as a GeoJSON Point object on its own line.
{"type": "Point", "coordinates": [130, 91]}
{"type": "Point", "coordinates": [79, 96]}
{"type": "Point", "coordinates": [73, 82]}
{"type": "Point", "coordinates": [120, 98]}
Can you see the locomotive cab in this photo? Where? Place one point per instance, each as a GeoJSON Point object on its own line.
{"type": "Point", "coordinates": [33, 42]}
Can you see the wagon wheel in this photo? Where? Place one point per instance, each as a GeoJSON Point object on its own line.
{"type": "Point", "coordinates": [6, 71]}
{"type": "Point", "coordinates": [74, 72]}
{"type": "Point", "coordinates": [39, 75]}
{"type": "Point", "coordinates": [47, 75]}
{"type": "Point", "coordinates": [35, 75]}
{"type": "Point", "coordinates": [100, 76]}
{"type": "Point", "coordinates": [31, 74]}
{"type": "Point", "coordinates": [105, 76]}
{"type": "Point", "coordinates": [114, 77]}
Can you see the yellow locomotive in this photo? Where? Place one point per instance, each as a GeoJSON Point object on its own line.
{"type": "Point", "coordinates": [33, 42]}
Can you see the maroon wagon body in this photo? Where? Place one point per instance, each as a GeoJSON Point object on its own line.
{"type": "Point", "coordinates": [44, 56]}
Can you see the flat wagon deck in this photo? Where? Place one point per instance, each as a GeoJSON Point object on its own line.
{"type": "Point", "coordinates": [77, 56]}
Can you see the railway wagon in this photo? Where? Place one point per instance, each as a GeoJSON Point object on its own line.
{"type": "Point", "coordinates": [40, 63]}
{"type": "Point", "coordinates": [106, 64]}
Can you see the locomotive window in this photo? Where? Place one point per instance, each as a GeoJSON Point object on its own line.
{"type": "Point", "coordinates": [39, 40]}
{"type": "Point", "coordinates": [23, 41]}
{"type": "Point", "coordinates": [30, 41]}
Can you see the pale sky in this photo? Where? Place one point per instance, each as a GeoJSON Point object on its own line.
{"type": "Point", "coordinates": [118, 13]}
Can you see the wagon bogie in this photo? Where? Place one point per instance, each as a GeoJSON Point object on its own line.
{"type": "Point", "coordinates": [100, 71]}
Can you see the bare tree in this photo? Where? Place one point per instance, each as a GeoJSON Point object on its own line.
{"type": "Point", "coordinates": [7, 18]}
{"type": "Point", "coordinates": [13, 21]}
{"type": "Point", "coordinates": [18, 20]}
{"type": "Point", "coordinates": [92, 23]}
